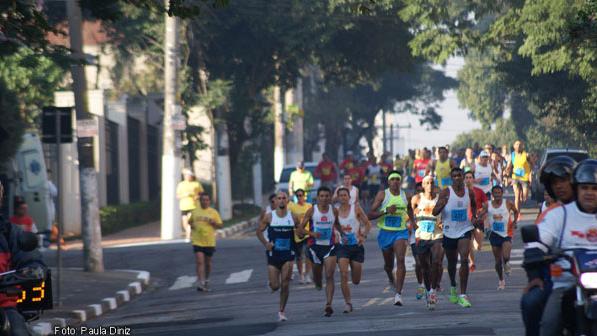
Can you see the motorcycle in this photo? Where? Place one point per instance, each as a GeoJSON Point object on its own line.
{"type": "Point", "coordinates": [33, 293]}
{"type": "Point", "coordinates": [583, 267]}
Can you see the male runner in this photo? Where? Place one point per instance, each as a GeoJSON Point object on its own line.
{"type": "Point", "coordinates": [454, 203]}
{"type": "Point", "coordinates": [478, 234]}
{"type": "Point", "coordinates": [394, 209]}
{"type": "Point", "coordinates": [322, 250]}
{"type": "Point", "coordinates": [347, 183]}
{"type": "Point", "coordinates": [520, 168]}
{"type": "Point", "coordinates": [413, 248]}
{"type": "Point", "coordinates": [279, 248]}
{"type": "Point", "coordinates": [374, 175]}
{"type": "Point", "coordinates": [299, 209]}
{"type": "Point", "coordinates": [441, 168]}
{"type": "Point", "coordinates": [429, 237]}
{"type": "Point", "coordinates": [468, 163]}
{"type": "Point", "coordinates": [351, 250]}
{"type": "Point", "coordinates": [420, 165]}
{"type": "Point", "coordinates": [484, 174]}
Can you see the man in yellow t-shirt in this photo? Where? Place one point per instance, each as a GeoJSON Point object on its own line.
{"type": "Point", "coordinates": [300, 179]}
{"type": "Point", "coordinates": [299, 209]}
{"type": "Point", "coordinates": [187, 193]}
{"type": "Point", "coordinates": [519, 165]}
{"type": "Point", "coordinates": [204, 221]}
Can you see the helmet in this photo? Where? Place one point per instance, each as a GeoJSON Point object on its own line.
{"type": "Point", "coordinates": [585, 172]}
{"type": "Point", "coordinates": [560, 166]}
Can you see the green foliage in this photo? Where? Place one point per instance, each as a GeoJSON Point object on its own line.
{"type": "Point", "coordinates": [12, 123]}
{"type": "Point", "coordinates": [116, 218]}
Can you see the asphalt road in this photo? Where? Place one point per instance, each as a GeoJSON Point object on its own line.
{"type": "Point", "coordinates": [241, 304]}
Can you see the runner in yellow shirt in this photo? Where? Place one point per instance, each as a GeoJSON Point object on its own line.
{"type": "Point", "coordinates": [187, 193]}
{"type": "Point", "coordinates": [204, 221]}
{"type": "Point", "coordinates": [519, 165]}
{"type": "Point", "coordinates": [299, 209]}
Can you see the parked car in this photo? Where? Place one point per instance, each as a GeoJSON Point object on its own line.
{"type": "Point", "coordinates": [285, 178]}
{"type": "Point", "coordinates": [536, 186]}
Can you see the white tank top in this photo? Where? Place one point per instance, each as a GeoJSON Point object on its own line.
{"type": "Point", "coordinates": [499, 219]}
{"type": "Point", "coordinates": [323, 223]}
{"type": "Point", "coordinates": [484, 173]}
{"type": "Point", "coordinates": [427, 225]}
{"type": "Point", "coordinates": [354, 191]}
{"type": "Point", "coordinates": [455, 215]}
{"type": "Point", "coordinates": [350, 226]}
{"type": "Point", "coordinates": [374, 175]}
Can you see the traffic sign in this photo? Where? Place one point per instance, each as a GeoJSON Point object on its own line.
{"type": "Point", "coordinates": [87, 128]}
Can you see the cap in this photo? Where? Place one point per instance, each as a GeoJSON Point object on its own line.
{"type": "Point", "coordinates": [484, 154]}
{"type": "Point", "coordinates": [187, 172]}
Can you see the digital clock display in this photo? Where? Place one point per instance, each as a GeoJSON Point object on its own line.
{"type": "Point", "coordinates": [36, 295]}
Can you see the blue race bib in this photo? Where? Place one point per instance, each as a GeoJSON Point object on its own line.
{"type": "Point", "coordinates": [427, 226]}
{"type": "Point", "coordinates": [520, 172]}
{"type": "Point", "coordinates": [393, 221]}
{"type": "Point", "coordinates": [351, 238]}
{"type": "Point", "coordinates": [484, 181]}
{"type": "Point", "coordinates": [325, 233]}
{"type": "Point", "coordinates": [422, 173]}
{"type": "Point", "coordinates": [446, 181]}
{"type": "Point", "coordinates": [498, 226]}
{"type": "Point", "coordinates": [281, 244]}
{"type": "Point", "coordinates": [459, 215]}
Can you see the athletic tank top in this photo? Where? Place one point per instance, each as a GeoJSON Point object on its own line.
{"type": "Point", "coordinates": [354, 191]}
{"type": "Point", "coordinates": [442, 174]}
{"type": "Point", "coordinates": [420, 166]}
{"type": "Point", "coordinates": [427, 225]}
{"type": "Point", "coordinates": [499, 219]}
{"type": "Point", "coordinates": [350, 226]}
{"type": "Point", "coordinates": [484, 173]}
{"type": "Point", "coordinates": [455, 215]}
{"type": "Point", "coordinates": [374, 174]}
{"type": "Point", "coordinates": [520, 166]}
{"type": "Point", "coordinates": [396, 221]}
{"type": "Point", "coordinates": [323, 223]}
{"type": "Point", "coordinates": [281, 233]}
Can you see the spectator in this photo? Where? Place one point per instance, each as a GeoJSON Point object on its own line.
{"type": "Point", "coordinates": [348, 162]}
{"type": "Point", "coordinates": [187, 193]}
{"type": "Point", "coordinates": [326, 171]}
{"type": "Point", "coordinates": [300, 179]}
{"type": "Point", "coordinates": [21, 216]}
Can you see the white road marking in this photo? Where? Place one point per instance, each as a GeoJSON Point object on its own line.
{"type": "Point", "coordinates": [386, 301]}
{"type": "Point", "coordinates": [516, 262]}
{"type": "Point", "coordinates": [184, 281]}
{"type": "Point", "coordinates": [239, 277]}
{"type": "Point", "coordinates": [517, 253]}
{"type": "Point", "coordinates": [371, 302]}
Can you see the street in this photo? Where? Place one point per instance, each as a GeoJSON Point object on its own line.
{"type": "Point", "coordinates": [241, 304]}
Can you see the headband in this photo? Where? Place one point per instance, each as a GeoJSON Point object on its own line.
{"type": "Point", "coordinates": [394, 175]}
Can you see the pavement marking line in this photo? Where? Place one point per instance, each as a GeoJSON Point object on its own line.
{"type": "Point", "coordinates": [97, 308]}
{"type": "Point", "coordinates": [151, 243]}
{"type": "Point", "coordinates": [44, 328]}
{"type": "Point", "coordinates": [385, 302]}
{"type": "Point", "coordinates": [239, 277]}
{"type": "Point", "coordinates": [184, 281]}
{"type": "Point", "coordinates": [111, 303]}
{"type": "Point", "coordinates": [516, 253]}
{"type": "Point", "coordinates": [516, 262]}
{"type": "Point", "coordinates": [371, 302]}
{"type": "Point", "coordinates": [81, 314]}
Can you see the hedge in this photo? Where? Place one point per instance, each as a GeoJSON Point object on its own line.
{"type": "Point", "coordinates": [116, 218]}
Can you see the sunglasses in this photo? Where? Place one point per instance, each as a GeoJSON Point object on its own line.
{"type": "Point", "coordinates": [300, 195]}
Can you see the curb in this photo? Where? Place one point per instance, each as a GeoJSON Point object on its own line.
{"type": "Point", "coordinates": [79, 316]}
{"type": "Point", "coordinates": [244, 225]}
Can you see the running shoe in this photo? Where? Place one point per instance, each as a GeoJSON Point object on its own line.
{"type": "Point", "coordinates": [431, 300]}
{"type": "Point", "coordinates": [328, 311]}
{"type": "Point", "coordinates": [453, 295]}
{"type": "Point", "coordinates": [348, 308]}
{"type": "Point", "coordinates": [397, 300]}
{"type": "Point", "coordinates": [507, 268]}
{"type": "Point", "coordinates": [308, 279]}
{"type": "Point", "coordinates": [282, 317]}
{"type": "Point", "coordinates": [501, 285]}
{"type": "Point", "coordinates": [463, 301]}
{"type": "Point", "coordinates": [420, 293]}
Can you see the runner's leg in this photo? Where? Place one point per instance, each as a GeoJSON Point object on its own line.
{"type": "Point", "coordinates": [207, 268]}
{"type": "Point", "coordinates": [464, 246]}
{"type": "Point", "coordinates": [356, 270]}
{"type": "Point", "coordinates": [400, 252]}
{"type": "Point", "coordinates": [274, 277]}
{"type": "Point", "coordinates": [437, 267]}
{"type": "Point", "coordinates": [200, 264]}
{"type": "Point", "coordinates": [330, 268]}
{"type": "Point", "coordinates": [286, 273]}
{"type": "Point", "coordinates": [517, 193]}
{"type": "Point", "coordinates": [506, 249]}
{"type": "Point", "coordinates": [343, 264]}
{"type": "Point", "coordinates": [317, 275]}
{"type": "Point", "coordinates": [497, 255]}
{"type": "Point", "coordinates": [452, 256]}
{"type": "Point", "coordinates": [525, 192]}
{"type": "Point", "coordinates": [425, 266]}
{"type": "Point", "coordinates": [388, 258]}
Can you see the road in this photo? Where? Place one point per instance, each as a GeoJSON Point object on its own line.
{"type": "Point", "coordinates": [241, 304]}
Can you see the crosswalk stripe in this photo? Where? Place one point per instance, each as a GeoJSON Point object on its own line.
{"type": "Point", "coordinates": [183, 282]}
{"type": "Point", "coordinates": [386, 301]}
{"type": "Point", "coordinates": [371, 302]}
{"type": "Point", "coordinates": [239, 277]}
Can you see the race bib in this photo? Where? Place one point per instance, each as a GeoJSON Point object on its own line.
{"type": "Point", "coordinates": [427, 226]}
{"type": "Point", "coordinates": [282, 244]}
{"type": "Point", "coordinates": [393, 221]}
{"type": "Point", "coordinates": [325, 233]}
{"type": "Point", "coordinates": [421, 172]}
{"type": "Point", "coordinates": [498, 226]}
{"type": "Point", "coordinates": [351, 239]}
{"type": "Point", "coordinates": [446, 181]}
{"type": "Point", "coordinates": [484, 181]}
{"type": "Point", "coordinates": [326, 171]}
{"type": "Point", "coordinates": [519, 172]}
{"type": "Point", "coordinates": [458, 215]}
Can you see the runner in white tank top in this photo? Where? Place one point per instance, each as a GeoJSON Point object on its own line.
{"type": "Point", "coordinates": [354, 191]}
{"type": "Point", "coordinates": [351, 252]}
{"type": "Point", "coordinates": [500, 222]}
{"type": "Point", "coordinates": [454, 204]}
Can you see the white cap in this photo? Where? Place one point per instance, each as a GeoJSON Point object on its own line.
{"type": "Point", "coordinates": [187, 172]}
{"type": "Point", "coordinates": [484, 154]}
{"type": "Point", "coordinates": [349, 153]}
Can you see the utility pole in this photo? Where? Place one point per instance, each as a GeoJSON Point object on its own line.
{"type": "Point", "coordinates": [170, 162]}
{"type": "Point", "coordinates": [223, 170]}
{"type": "Point", "coordinates": [90, 221]}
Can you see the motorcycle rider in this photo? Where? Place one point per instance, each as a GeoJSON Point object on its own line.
{"type": "Point", "coordinates": [573, 225]}
{"type": "Point", "coordinates": [28, 264]}
{"type": "Point", "coordinates": [556, 177]}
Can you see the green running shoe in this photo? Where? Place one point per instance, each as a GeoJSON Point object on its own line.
{"type": "Point", "coordinates": [453, 295]}
{"type": "Point", "coordinates": [420, 293]}
{"type": "Point", "coordinates": [463, 301]}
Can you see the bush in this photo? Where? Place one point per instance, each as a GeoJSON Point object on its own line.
{"type": "Point", "coordinates": [119, 217]}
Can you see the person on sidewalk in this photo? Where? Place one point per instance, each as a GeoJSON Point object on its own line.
{"type": "Point", "coordinates": [187, 193]}
{"type": "Point", "coordinates": [301, 178]}
{"type": "Point", "coordinates": [204, 221]}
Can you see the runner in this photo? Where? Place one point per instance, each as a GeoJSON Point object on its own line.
{"type": "Point", "coordinates": [322, 252]}
{"type": "Point", "coordinates": [279, 248]}
{"type": "Point", "coordinates": [187, 193]}
{"type": "Point", "coordinates": [348, 163]}
{"type": "Point", "coordinates": [374, 176]}
{"type": "Point", "coordinates": [420, 165]}
{"type": "Point", "coordinates": [502, 229]}
{"type": "Point", "coordinates": [428, 237]}
{"type": "Point", "coordinates": [393, 206]}
{"type": "Point", "coordinates": [454, 202]}
{"type": "Point", "coordinates": [520, 169]}
{"type": "Point", "coordinates": [412, 242]}
{"type": "Point", "coordinates": [347, 183]}
{"type": "Point", "coordinates": [299, 209]}
{"type": "Point", "coordinates": [478, 234]}
{"type": "Point", "coordinates": [468, 161]}
{"type": "Point", "coordinates": [441, 168]}
{"type": "Point", "coordinates": [484, 174]}
{"type": "Point", "coordinates": [351, 250]}
{"type": "Point", "coordinates": [496, 162]}
{"type": "Point", "coordinates": [385, 161]}
{"type": "Point", "coordinates": [326, 171]}
{"type": "Point", "coordinates": [204, 220]}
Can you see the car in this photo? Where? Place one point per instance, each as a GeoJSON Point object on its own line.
{"type": "Point", "coordinates": [284, 179]}
{"type": "Point", "coordinates": [536, 187]}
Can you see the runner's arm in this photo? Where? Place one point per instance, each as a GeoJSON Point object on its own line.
{"type": "Point", "coordinates": [409, 210]}
{"type": "Point", "coordinates": [301, 228]}
{"type": "Point", "coordinates": [414, 203]}
{"type": "Point", "coordinates": [262, 227]}
{"type": "Point", "coordinates": [512, 207]}
{"type": "Point", "coordinates": [337, 223]}
{"type": "Point", "coordinates": [471, 195]}
{"type": "Point", "coordinates": [441, 202]}
{"type": "Point", "coordinates": [374, 212]}
{"type": "Point", "coordinates": [362, 217]}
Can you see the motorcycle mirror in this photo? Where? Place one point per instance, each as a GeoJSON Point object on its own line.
{"type": "Point", "coordinates": [530, 233]}
{"type": "Point", "coordinates": [27, 241]}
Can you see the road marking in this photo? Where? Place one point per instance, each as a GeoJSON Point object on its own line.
{"type": "Point", "coordinates": [239, 277]}
{"type": "Point", "coordinates": [386, 301]}
{"type": "Point", "coordinates": [371, 302]}
{"type": "Point", "coordinates": [184, 281]}
{"type": "Point", "coordinates": [517, 253]}
{"type": "Point", "coordinates": [516, 262]}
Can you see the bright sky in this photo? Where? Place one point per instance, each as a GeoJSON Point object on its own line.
{"type": "Point", "coordinates": [455, 119]}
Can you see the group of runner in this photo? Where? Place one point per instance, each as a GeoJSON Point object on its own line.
{"type": "Point", "coordinates": [448, 214]}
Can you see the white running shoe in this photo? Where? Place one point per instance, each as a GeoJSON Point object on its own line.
{"type": "Point", "coordinates": [397, 300]}
{"type": "Point", "coordinates": [501, 285]}
{"type": "Point", "coordinates": [282, 317]}
{"type": "Point", "coordinates": [507, 268]}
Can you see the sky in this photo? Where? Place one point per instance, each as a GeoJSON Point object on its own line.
{"type": "Point", "coordinates": [455, 119]}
